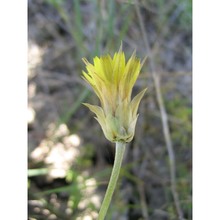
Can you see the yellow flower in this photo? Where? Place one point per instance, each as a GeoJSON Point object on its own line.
{"type": "Point", "coordinates": [112, 79]}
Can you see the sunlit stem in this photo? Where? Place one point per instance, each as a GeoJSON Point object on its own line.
{"type": "Point", "coordinates": [120, 149]}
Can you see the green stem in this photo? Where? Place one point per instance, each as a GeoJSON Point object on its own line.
{"type": "Point", "coordinates": [120, 149]}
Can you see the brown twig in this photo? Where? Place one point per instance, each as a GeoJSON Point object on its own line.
{"type": "Point", "coordinates": [143, 202]}
{"type": "Point", "coordinates": [164, 117]}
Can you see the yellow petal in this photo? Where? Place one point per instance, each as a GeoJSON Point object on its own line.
{"type": "Point", "coordinates": [106, 62]}
{"type": "Point", "coordinates": [118, 66]}
{"type": "Point", "coordinates": [131, 73]}
{"type": "Point", "coordinates": [88, 78]}
{"type": "Point", "coordinates": [98, 67]}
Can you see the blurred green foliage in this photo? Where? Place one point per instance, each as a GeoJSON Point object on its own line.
{"type": "Point", "coordinates": [114, 22]}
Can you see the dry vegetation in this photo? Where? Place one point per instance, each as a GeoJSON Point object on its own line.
{"type": "Point", "coordinates": [69, 159]}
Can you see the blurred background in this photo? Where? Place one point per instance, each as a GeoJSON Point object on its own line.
{"type": "Point", "coordinates": [69, 159]}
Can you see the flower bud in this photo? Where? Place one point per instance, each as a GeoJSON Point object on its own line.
{"type": "Point", "coordinates": [112, 79]}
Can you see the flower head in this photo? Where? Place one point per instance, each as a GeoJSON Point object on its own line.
{"type": "Point", "coordinates": [112, 79]}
